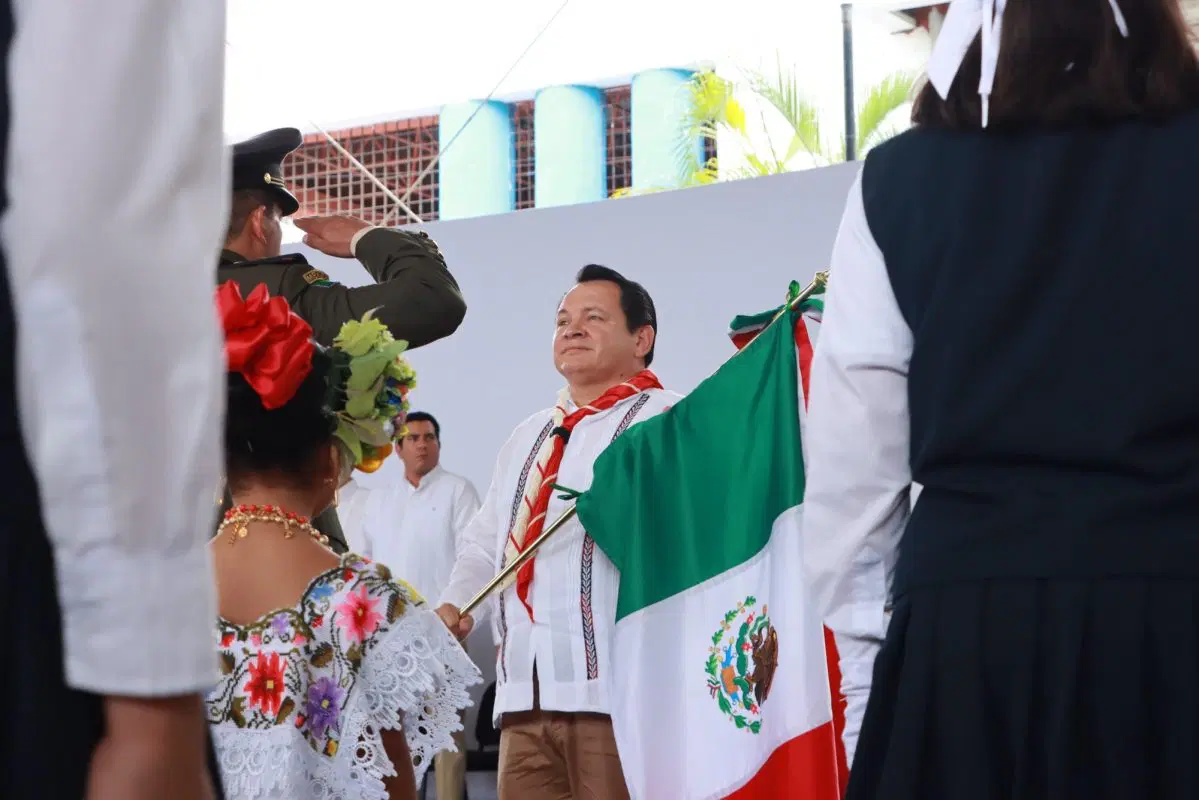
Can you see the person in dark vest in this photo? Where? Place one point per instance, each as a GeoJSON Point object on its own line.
{"type": "Point", "coordinates": [414, 293]}
{"type": "Point", "coordinates": [111, 395]}
{"type": "Point", "coordinates": [1029, 627]}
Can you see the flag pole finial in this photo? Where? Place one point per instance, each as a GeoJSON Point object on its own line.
{"type": "Point", "coordinates": [819, 281]}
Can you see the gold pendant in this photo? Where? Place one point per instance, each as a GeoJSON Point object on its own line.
{"type": "Point", "coordinates": [243, 532]}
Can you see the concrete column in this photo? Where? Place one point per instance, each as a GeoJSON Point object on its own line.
{"type": "Point", "coordinates": [477, 173]}
{"type": "Point", "coordinates": [570, 146]}
{"type": "Point", "coordinates": [660, 99]}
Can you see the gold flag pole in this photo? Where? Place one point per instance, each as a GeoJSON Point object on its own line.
{"type": "Point", "coordinates": [518, 562]}
{"type": "Point", "coordinates": [818, 283]}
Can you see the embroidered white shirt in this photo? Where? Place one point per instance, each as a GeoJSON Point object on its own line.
{"type": "Point", "coordinates": [573, 593]}
{"type": "Point", "coordinates": [118, 181]}
{"type": "Point", "coordinates": [857, 499]}
{"type": "Point", "coordinates": [306, 692]}
{"type": "Point", "coordinates": [415, 529]}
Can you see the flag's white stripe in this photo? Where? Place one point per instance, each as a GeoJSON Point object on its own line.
{"type": "Point", "coordinates": [674, 741]}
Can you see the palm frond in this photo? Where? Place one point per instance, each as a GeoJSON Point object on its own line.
{"type": "Point", "coordinates": [781, 91]}
{"type": "Point", "coordinates": [711, 107]}
{"type": "Point", "coordinates": [881, 100]}
{"type": "Point", "coordinates": [629, 191]}
{"type": "Point", "coordinates": [714, 111]}
{"type": "Point", "coordinates": [709, 173]}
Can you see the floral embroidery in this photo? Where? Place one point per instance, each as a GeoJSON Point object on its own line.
{"type": "Point", "coordinates": [280, 624]}
{"type": "Point", "coordinates": [266, 683]}
{"type": "Point", "coordinates": [322, 591]}
{"type": "Point", "coordinates": [358, 615]}
{"type": "Point", "coordinates": [291, 668]}
{"type": "Point", "coordinates": [324, 701]}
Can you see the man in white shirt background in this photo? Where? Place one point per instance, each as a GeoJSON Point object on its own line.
{"type": "Point", "coordinates": [351, 508]}
{"type": "Point", "coordinates": [413, 527]}
{"type": "Point", "coordinates": [554, 623]}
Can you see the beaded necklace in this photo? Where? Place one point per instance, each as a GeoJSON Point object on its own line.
{"type": "Point", "coordinates": [293, 523]}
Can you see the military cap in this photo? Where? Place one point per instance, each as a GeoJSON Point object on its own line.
{"type": "Point", "coordinates": [258, 164]}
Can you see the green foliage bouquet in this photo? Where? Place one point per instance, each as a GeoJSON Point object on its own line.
{"type": "Point", "coordinates": [370, 385]}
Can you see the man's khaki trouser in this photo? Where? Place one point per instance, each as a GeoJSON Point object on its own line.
{"type": "Point", "coordinates": [551, 755]}
{"type": "Point", "coordinates": [449, 770]}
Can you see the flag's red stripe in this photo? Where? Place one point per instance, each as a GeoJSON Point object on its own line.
{"type": "Point", "coordinates": [834, 683]}
{"type": "Point", "coordinates": [831, 762]}
{"type": "Point", "coordinates": [803, 343]}
{"type": "Point", "coordinates": [742, 338]}
{"type": "Point", "coordinates": [801, 769]}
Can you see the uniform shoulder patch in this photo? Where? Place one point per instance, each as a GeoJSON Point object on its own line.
{"type": "Point", "coordinates": [317, 277]}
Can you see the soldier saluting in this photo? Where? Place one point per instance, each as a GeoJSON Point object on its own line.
{"type": "Point", "coordinates": [414, 293]}
{"type": "Point", "coordinates": [416, 297]}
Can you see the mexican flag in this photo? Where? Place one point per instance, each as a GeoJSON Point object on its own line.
{"type": "Point", "coordinates": [720, 685]}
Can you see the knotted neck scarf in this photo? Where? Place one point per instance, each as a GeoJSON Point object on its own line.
{"type": "Point", "coordinates": [530, 515]}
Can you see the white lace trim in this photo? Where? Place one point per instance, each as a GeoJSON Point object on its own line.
{"type": "Point", "coordinates": [415, 678]}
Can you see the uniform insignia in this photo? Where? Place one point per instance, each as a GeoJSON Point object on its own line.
{"type": "Point", "coordinates": [741, 664]}
{"type": "Point", "coordinates": [287, 260]}
{"type": "Point", "coordinates": [315, 276]}
{"type": "Point", "coordinates": [325, 284]}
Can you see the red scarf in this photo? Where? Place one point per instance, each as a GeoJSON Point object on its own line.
{"type": "Point", "coordinates": [530, 518]}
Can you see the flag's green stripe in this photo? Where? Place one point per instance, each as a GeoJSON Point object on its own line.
{"type": "Point", "coordinates": [748, 321]}
{"type": "Point", "coordinates": [743, 321]}
{"type": "Point", "coordinates": [693, 492]}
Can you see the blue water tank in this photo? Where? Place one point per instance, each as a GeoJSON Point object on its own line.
{"type": "Point", "coordinates": [660, 102]}
{"type": "Point", "coordinates": [570, 146]}
{"type": "Point", "coordinates": [477, 171]}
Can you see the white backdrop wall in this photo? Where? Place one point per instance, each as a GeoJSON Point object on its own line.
{"type": "Point", "coordinates": [705, 255]}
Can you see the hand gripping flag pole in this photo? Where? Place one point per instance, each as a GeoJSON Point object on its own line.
{"type": "Point", "coordinates": [818, 283]}
{"type": "Point", "coordinates": [516, 563]}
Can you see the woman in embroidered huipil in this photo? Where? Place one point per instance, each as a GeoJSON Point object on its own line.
{"type": "Point", "coordinates": [337, 681]}
{"type": "Point", "coordinates": [1043, 635]}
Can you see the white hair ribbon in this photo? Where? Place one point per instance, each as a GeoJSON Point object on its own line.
{"type": "Point", "coordinates": [983, 18]}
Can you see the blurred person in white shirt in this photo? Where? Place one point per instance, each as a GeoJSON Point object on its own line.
{"type": "Point", "coordinates": [111, 393]}
{"type": "Point", "coordinates": [413, 526]}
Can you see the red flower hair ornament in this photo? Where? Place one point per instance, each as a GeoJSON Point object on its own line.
{"type": "Point", "coordinates": [266, 342]}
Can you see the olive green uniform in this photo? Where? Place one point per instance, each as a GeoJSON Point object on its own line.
{"type": "Point", "coordinates": [414, 295]}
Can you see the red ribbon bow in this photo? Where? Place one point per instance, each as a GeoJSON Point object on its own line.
{"type": "Point", "coordinates": [266, 342]}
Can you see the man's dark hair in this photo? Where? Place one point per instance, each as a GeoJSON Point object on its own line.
{"type": "Point", "coordinates": [244, 203]}
{"type": "Point", "coordinates": [424, 416]}
{"type": "Point", "coordinates": [1064, 62]}
{"type": "Point", "coordinates": [635, 302]}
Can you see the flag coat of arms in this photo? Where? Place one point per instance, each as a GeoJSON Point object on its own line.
{"type": "Point", "coordinates": [720, 678]}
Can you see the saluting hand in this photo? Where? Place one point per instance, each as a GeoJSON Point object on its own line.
{"type": "Point", "coordinates": [332, 234]}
